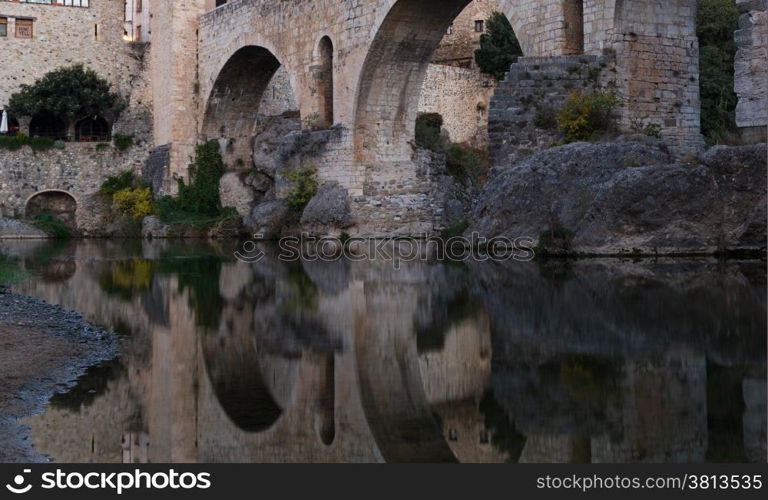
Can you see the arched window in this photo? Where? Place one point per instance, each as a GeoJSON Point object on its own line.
{"type": "Point", "coordinates": [324, 77]}
{"type": "Point", "coordinates": [574, 26]}
{"type": "Point", "coordinates": [92, 129]}
{"type": "Point", "coordinates": [45, 125]}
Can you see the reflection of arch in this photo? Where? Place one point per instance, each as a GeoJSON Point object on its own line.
{"type": "Point", "coordinates": [92, 129]}
{"type": "Point", "coordinates": [393, 74]}
{"type": "Point", "coordinates": [324, 81]}
{"type": "Point", "coordinates": [393, 393]}
{"type": "Point", "coordinates": [47, 125]}
{"type": "Point", "coordinates": [60, 204]}
{"type": "Point", "coordinates": [233, 105]}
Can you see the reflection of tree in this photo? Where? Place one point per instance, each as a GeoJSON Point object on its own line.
{"type": "Point", "coordinates": [462, 306]}
{"type": "Point", "coordinates": [46, 262]}
{"type": "Point", "coordinates": [126, 279]}
{"type": "Point", "coordinates": [198, 272]}
{"type": "Point", "coordinates": [504, 436]}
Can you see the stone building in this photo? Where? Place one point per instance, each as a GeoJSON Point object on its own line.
{"type": "Point", "coordinates": [463, 36]}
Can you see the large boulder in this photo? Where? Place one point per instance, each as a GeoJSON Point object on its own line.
{"type": "Point", "coordinates": [328, 208]}
{"type": "Point", "coordinates": [234, 192]}
{"type": "Point", "coordinates": [269, 219]}
{"type": "Point", "coordinates": [629, 197]}
{"type": "Point", "coordinates": [16, 229]}
{"type": "Point", "coordinates": [268, 141]}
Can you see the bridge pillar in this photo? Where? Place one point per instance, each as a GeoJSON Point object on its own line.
{"type": "Point", "coordinates": [173, 63]}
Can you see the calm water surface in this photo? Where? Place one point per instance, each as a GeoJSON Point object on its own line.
{"type": "Point", "coordinates": [586, 361]}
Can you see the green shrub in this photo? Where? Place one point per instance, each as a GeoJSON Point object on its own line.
{"type": "Point", "coordinates": [462, 163]}
{"type": "Point", "coordinates": [52, 226]}
{"type": "Point", "coordinates": [122, 142]}
{"type": "Point", "coordinates": [455, 230]}
{"type": "Point", "coordinates": [102, 146]}
{"type": "Point", "coordinates": [716, 21]}
{"type": "Point", "coordinates": [585, 116]}
{"type": "Point", "coordinates": [9, 143]}
{"type": "Point", "coordinates": [134, 203]}
{"type": "Point", "coordinates": [40, 144]}
{"type": "Point", "coordinates": [10, 271]}
{"type": "Point", "coordinates": [304, 187]}
{"type": "Point", "coordinates": [546, 117]}
{"type": "Point", "coordinates": [201, 195]}
{"type": "Point", "coordinates": [116, 183]}
{"type": "Point", "coordinates": [499, 47]}
{"type": "Point", "coordinates": [22, 138]}
{"type": "Point", "coordinates": [429, 128]}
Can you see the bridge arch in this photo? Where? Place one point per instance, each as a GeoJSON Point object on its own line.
{"type": "Point", "coordinates": [233, 104]}
{"type": "Point", "coordinates": [56, 202]}
{"type": "Point", "coordinates": [391, 78]}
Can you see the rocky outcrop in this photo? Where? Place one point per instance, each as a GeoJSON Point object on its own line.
{"type": "Point", "coordinates": [16, 229]}
{"type": "Point", "coordinates": [329, 208]}
{"type": "Point", "coordinates": [269, 219]}
{"type": "Point", "coordinates": [629, 197]}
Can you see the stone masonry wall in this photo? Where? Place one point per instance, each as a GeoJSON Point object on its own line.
{"type": "Point", "coordinates": [657, 57]}
{"type": "Point", "coordinates": [78, 170]}
{"type": "Point", "coordinates": [533, 88]}
{"type": "Point", "coordinates": [751, 68]}
{"type": "Point", "coordinates": [462, 96]}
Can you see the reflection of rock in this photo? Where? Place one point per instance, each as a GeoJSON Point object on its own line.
{"type": "Point", "coordinates": [755, 419]}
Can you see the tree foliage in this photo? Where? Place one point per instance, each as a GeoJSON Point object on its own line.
{"type": "Point", "coordinates": [201, 195]}
{"type": "Point", "coordinates": [499, 47]}
{"type": "Point", "coordinates": [68, 92]}
{"type": "Point", "coordinates": [716, 22]}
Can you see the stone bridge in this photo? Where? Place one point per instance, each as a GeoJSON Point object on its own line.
{"type": "Point", "coordinates": [360, 65]}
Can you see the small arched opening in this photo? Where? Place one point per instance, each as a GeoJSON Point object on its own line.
{"type": "Point", "coordinates": [324, 82]}
{"type": "Point", "coordinates": [57, 204]}
{"type": "Point", "coordinates": [92, 129]}
{"type": "Point", "coordinates": [573, 11]}
{"type": "Point", "coordinates": [47, 125]}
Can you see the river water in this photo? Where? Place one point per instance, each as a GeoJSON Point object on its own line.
{"type": "Point", "coordinates": [561, 361]}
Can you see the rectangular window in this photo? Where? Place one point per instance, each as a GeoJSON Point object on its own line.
{"type": "Point", "coordinates": [24, 28]}
{"type": "Point", "coordinates": [3, 26]}
{"type": "Point", "coordinates": [138, 34]}
{"type": "Point", "coordinates": [479, 26]}
{"type": "Point", "coordinates": [138, 5]}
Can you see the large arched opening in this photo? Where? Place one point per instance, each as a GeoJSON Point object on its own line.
{"type": "Point", "coordinates": [54, 203]}
{"type": "Point", "coordinates": [92, 129]}
{"type": "Point", "coordinates": [251, 85]}
{"type": "Point", "coordinates": [49, 126]}
{"type": "Point", "coordinates": [393, 80]}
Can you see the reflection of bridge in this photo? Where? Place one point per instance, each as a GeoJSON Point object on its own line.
{"type": "Point", "coordinates": [381, 365]}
